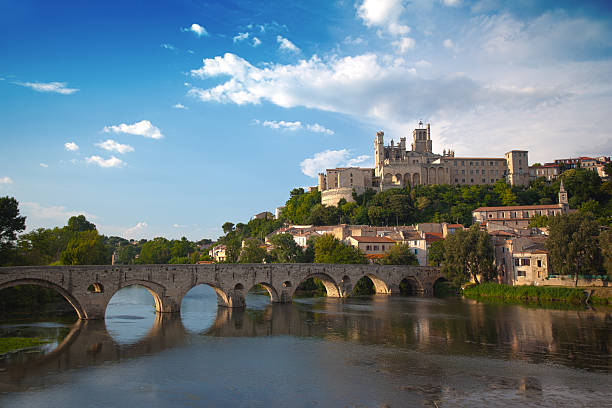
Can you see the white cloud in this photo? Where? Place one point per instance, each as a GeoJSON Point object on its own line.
{"type": "Point", "coordinates": [404, 44]}
{"type": "Point", "coordinates": [384, 14]}
{"type": "Point", "coordinates": [106, 163]}
{"type": "Point", "coordinates": [57, 87]}
{"type": "Point", "coordinates": [241, 37]}
{"type": "Point", "coordinates": [71, 146]}
{"type": "Point", "coordinates": [179, 106]}
{"type": "Point", "coordinates": [136, 230]}
{"type": "Point", "coordinates": [286, 45]}
{"type": "Point", "coordinates": [44, 165]}
{"type": "Point", "coordinates": [354, 41]}
{"type": "Point", "coordinates": [319, 129]}
{"type": "Point", "coordinates": [168, 46]}
{"type": "Point", "coordinates": [142, 128]}
{"type": "Point", "coordinates": [272, 124]}
{"type": "Point", "coordinates": [112, 146]}
{"type": "Point", "coordinates": [256, 42]}
{"type": "Point", "coordinates": [448, 43]}
{"type": "Point", "coordinates": [179, 226]}
{"type": "Point", "coordinates": [329, 159]}
{"type": "Point", "coordinates": [451, 3]}
{"type": "Point", "coordinates": [6, 180]}
{"type": "Point", "coordinates": [297, 125]}
{"type": "Point", "coordinates": [37, 212]}
{"type": "Point", "coordinates": [197, 29]}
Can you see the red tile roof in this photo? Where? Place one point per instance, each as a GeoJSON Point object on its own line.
{"type": "Point", "coordinates": [384, 240]}
{"type": "Point", "coordinates": [520, 207]}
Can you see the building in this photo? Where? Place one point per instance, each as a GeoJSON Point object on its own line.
{"type": "Point", "coordinates": [518, 216]}
{"type": "Point", "coordinates": [549, 171]}
{"type": "Point", "coordinates": [521, 260]}
{"type": "Point", "coordinates": [395, 166]}
{"type": "Point", "coordinates": [266, 215]}
{"type": "Point", "coordinates": [218, 253]}
{"type": "Point", "coordinates": [372, 247]}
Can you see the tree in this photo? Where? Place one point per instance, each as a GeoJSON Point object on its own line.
{"type": "Point", "coordinates": [85, 248]}
{"type": "Point", "coordinates": [435, 253]}
{"type": "Point", "coordinates": [232, 249]}
{"type": "Point", "coordinates": [285, 250]}
{"type": "Point", "coordinates": [127, 253]}
{"type": "Point", "coordinates": [468, 254]}
{"type": "Point", "coordinates": [79, 224]}
{"type": "Point", "coordinates": [329, 249]}
{"type": "Point", "coordinates": [400, 255]}
{"type": "Point", "coordinates": [11, 223]}
{"type": "Point", "coordinates": [573, 246]}
{"type": "Point", "coordinates": [42, 246]}
{"type": "Point", "coordinates": [182, 248]}
{"type": "Point", "coordinates": [227, 227]}
{"type": "Point", "coordinates": [156, 251]}
{"type": "Point", "coordinates": [252, 252]}
{"type": "Point", "coordinates": [605, 243]}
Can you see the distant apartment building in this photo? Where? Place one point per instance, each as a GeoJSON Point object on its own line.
{"type": "Point", "coordinates": [521, 260]}
{"type": "Point", "coordinates": [373, 247]}
{"type": "Point", "coordinates": [518, 216]}
{"type": "Point", "coordinates": [549, 171]}
{"type": "Point", "coordinates": [218, 253]}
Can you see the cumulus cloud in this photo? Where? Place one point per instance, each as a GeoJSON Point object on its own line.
{"type": "Point", "coordinates": [112, 146]}
{"type": "Point", "coordinates": [240, 37]}
{"type": "Point", "coordinates": [56, 87]}
{"type": "Point", "coordinates": [44, 165]}
{"type": "Point", "coordinates": [37, 212]}
{"type": "Point", "coordinates": [6, 180]}
{"type": "Point", "coordinates": [106, 163]}
{"type": "Point", "coordinates": [179, 226]}
{"type": "Point", "coordinates": [286, 45]}
{"type": "Point", "coordinates": [404, 44]}
{"type": "Point", "coordinates": [384, 14]}
{"type": "Point", "coordinates": [71, 146]}
{"type": "Point", "coordinates": [197, 30]}
{"type": "Point", "coordinates": [451, 3]}
{"type": "Point", "coordinates": [136, 230]}
{"type": "Point", "coordinates": [297, 125]}
{"type": "Point", "coordinates": [448, 43]}
{"type": "Point", "coordinates": [179, 106]}
{"type": "Point", "coordinates": [142, 128]}
{"type": "Point", "coordinates": [256, 42]}
{"type": "Point", "coordinates": [327, 159]}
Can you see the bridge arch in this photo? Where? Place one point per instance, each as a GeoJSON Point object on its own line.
{"type": "Point", "coordinates": [380, 285]}
{"type": "Point", "coordinates": [331, 287]}
{"type": "Point", "coordinates": [155, 289]}
{"type": "Point", "coordinates": [80, 311]}
{"type": "Point", "coordinates": [410, 285]}
{"type": "Point", "coordinates": [222, 297]}
{"type": "Point", "coordinates": [274, 298]}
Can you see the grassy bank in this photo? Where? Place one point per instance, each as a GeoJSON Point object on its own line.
{"type": "Point", "coordinates": [9, 344]}
{"type": "Point", "coordinates": [545, 294]}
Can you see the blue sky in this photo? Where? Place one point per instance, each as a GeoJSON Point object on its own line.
{"type": "Point", "coordinates": [170, 118]}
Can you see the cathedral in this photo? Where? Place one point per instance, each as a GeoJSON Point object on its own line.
{"type": "Point", "coordinates": [396, 167]}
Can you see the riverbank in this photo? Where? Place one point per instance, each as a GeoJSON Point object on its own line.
{"type": "Point", "coordinates": [538, 294]}
{"type": "Point", "coordinates": [11, 344]}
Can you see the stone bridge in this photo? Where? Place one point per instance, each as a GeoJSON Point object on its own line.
{"type": "Point", "coordinates": [89, 288]}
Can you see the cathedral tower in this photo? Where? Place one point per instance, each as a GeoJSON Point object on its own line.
{"type": "Point", "coordinates": [421, 139]}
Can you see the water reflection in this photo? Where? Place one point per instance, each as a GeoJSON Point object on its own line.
{"type": "Point", "coordinates": [445, 329]}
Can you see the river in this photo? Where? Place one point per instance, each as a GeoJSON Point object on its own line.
{"type": "Point", "coordinates": [317, 352]}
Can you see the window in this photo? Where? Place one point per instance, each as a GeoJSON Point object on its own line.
{"type": "Point", "coordinates": [463, 180]}
{"type": "Point", "coordinates": [490, 163]}
{"type": "Point", "coordinates": [462, 171]}
{"type": "Point", "coordinates": [525, 261]}
{"type": "Point", "coordinates": [483, 180]}
{"type": "Point", "coordinates": [470, 163]}
{"type": "Point", "coordinates": [376, 247]}
{"type": "Point", "coordinates": [520, 273]}
{"type": "Point", "coordinates": [539, 266]}
{"type": "Point", "coordinates": [456, 180]}
{"type": "Point", "coordinates": [368, 247]}
{"type": "Point", "coordinates": [416, 251]}
{"type": "Point", "coordinates": [517, 262]}
{"type": "Point", "coordinates": [383, 247]}
{"type": "Point", "coordinates": [462, 162]}
{"type": "Point", "coordinates": [455, 163]}
{"type": "Point", "coordinates": [471, 180]}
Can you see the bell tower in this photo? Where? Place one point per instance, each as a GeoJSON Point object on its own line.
{"type": "Point", "coordinates": [379, 152]}
{"type": "Point", "coordinates": [421, 139]}
{"type": "Point", "coordinates": [563, 200]}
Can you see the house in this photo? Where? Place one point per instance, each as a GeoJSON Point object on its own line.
{"type": "Point", "coordinates": [218, 253]}
{"type": "Point", "coordinates": [371, 245]}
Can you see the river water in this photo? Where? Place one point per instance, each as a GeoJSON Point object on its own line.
{"type": "Point", "coordinates": [360, 352]}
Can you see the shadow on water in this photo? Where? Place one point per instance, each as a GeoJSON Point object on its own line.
{"type": "Point", "coordinates": [445, 327]}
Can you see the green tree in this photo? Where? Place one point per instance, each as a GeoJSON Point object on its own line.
{"type": "Point", "coordinates": [468, 254]}
{"type": "Point", "coordinates": [11, 223]}
{"type": "Point", "coordinates": [435, 253]}
{"type": "Point", "coordinates": [605, 243]}
{"type": "Point", "coordinates": [329, 249]}
{"type": "Point", "coordinates": [85, 248]}
{"type": "Point", "coordinates": [252, 252]}
{"type": "Point", "coordinates": [156, 251]}
{"type": "Point", "coordinates": [233, 247]}
{"type": "Point", "coordinates": [286, 250]}
{"type": "Point", "coordinates": [79, 224]}
{"type": "Point", "coordinates": [400, 255]}
{"type": "Point", "coordinates": [227, 227]}
{"type": "Point", "coordinates": [127, 254]}
{"type": "Point", "coordinates": [182, 248]}
{"type": "Point", "coordinates": [573, 246]}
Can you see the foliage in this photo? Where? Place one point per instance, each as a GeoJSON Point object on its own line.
{"type": "Point", "coordinates": [605, 243]}
{"type": "Point", "coordinates": [85, 248]}
{"type": "Point", "coordinates": [79, 224]}
{"type": "Point", "coordinates": [329, 249]}
{"type": "Point", "coordinates": [10, 344]}
{"type": "Point", "coordinates": [526, 293]}
{"type": "Point", "coordinates": [538, 221]}
{"type": "Point", "coordinates": [286, 250]}
{"type": "Point", "coordinates": [364, 287]}
{"type": "Point", "coordinates": [11, 223]}
{"type": "Point", "coordinates": [468, 254]}
{"type": "Point", "coordinates": [435, 253]}
{"type": "Point", "coordinates": [400, 255]}
{"type": "Point", "coordinates": [573, 245]}
{"type": "Point", "coordinates": [298, 207]}
{"type": "Point", "coordinates": [252, 251]}
{"type": "Point", "coordinates": [157, 251]}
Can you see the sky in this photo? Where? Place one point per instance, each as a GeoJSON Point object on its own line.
{"type": "Point", "coordinates": [156, 118]}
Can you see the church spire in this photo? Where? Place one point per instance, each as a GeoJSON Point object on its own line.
{"type": "Point", "coordinates": [563, 201]}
